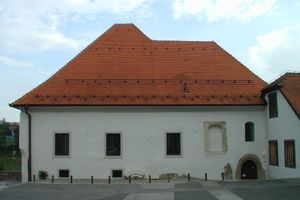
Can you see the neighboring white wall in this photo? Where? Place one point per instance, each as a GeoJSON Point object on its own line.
{"type": "Point", "coordinates": [284, 127]}
{"type": "Point", "coordinates": [143, 133]}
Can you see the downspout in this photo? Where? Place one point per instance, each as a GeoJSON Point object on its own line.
{"type": "Point", "coordinates": [29, 143]}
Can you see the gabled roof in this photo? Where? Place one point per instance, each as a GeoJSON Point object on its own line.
{"type": "Point", "coordinates": [289, 85]}
{"type": "Point", "coordinates": [124, 67]}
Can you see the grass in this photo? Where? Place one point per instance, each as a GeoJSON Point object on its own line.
{"type": "Point", "coordinates": [10, 164]}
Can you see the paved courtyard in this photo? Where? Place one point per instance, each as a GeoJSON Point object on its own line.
{"type": "Point", "coordinates": [196, 189]}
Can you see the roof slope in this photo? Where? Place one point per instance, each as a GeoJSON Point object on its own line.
{"type": "Point", "coordinates": [289, 85]}
{"type": "Point", "coordinates": [125, 67]}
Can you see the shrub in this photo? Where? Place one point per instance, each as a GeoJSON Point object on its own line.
{"type": "Point", "coordinates": [43, 175]}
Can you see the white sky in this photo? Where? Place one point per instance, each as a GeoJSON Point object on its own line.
{"type": "Point", "coordinates": [38, 37]}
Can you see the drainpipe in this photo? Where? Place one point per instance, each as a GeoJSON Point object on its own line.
{"type": "Point", "coordinates": [29, 143]}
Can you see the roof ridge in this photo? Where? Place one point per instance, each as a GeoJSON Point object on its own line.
{"type": "Point", "coordinates": [188, 41]}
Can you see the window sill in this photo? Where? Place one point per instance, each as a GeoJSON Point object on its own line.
{"type": "Point", "coordinates": [291, 167]}
{"type": "Point", "coordinates": [113, 157]}
{"type": "Point", "coordinates": [173, 156]}
{"type": "Point", "coordinates": [61, 156]}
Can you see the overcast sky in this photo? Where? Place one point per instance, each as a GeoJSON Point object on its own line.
{"type": "Point", "coordinates": [38, 37]}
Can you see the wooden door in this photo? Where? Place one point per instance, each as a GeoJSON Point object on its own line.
{"type": "Point", "coordinates": [249, 170]}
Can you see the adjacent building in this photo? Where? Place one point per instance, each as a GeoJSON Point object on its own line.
{"type": "Point", "coordinates": [283, 122]}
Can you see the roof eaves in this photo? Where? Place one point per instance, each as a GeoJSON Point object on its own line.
{"type": "Point", "coordinates": [270, 88]}
{"type": "Point", "coordinates": [291, 105]}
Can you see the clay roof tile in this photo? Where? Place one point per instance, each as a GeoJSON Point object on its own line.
{"type": "Point", "coordinates": [125, 67]}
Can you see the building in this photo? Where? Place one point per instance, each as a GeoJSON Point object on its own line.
{"type": "Point", "coordinates": [127, 103]}
{"type": "Point", "coordinates": [283, 115]}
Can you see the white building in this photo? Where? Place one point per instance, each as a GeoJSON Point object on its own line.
{"type": "Point", "coordinates": [127, 103]}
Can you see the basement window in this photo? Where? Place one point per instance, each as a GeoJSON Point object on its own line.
{"type": "Point", "coordinates": [173, 144]}
{"type": "Point", "coordinates": [117, 173]}
{"type": "Point", "coordinates": [62, 144]}
{"type": "Point", "coordinates": [113, 144]}
{"type": "Point", "coordinates": [63, 173]}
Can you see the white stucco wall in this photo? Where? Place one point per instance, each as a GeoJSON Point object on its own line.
{"type": "Point", "coordinates": [284, 127]}
{"type": "Point", "coordinates": [143, 133]}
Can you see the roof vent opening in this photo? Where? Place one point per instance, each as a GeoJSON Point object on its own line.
{"type": "Point", "coordinates": [185, 88]}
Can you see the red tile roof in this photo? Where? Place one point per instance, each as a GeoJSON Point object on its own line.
{"type": "Point", "coordinates": [125, 67]}
{"type": "Point", "coordinates": [289, 85]}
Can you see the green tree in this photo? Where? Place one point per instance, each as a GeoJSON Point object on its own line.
{"type": "Point", "coordinates": [16, 131]}
{"type": "Point", "coordinates": [3, 131]}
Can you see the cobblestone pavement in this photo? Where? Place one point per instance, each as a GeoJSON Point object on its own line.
{"type": "Point", "coordinates": [196, 189]}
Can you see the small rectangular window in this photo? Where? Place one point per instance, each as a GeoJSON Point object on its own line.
{"type": "Point", "coordinates": [273, 152]}
{"type": "Point", "coordinates": [64, 173]}
{"type": "Point", "coordinates": [117, 173]}
{"type": "Point", "coordinates": [289, 153]}
{"type": "Point", "coordinates": [62, 144]}
{"type": "Point", "coordinates": [113, 144]}
{"type": "Point", "coordinates": [273, 109]}
{"type": "Point", "coordinates": [173, 144]}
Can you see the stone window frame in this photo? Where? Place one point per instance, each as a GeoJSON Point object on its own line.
{"type": "Point", "coordinates": [121, 145]}
{"type": "Point", "coordinates": [70, 142]}
{"type": "Point", "coordinates": [222, 125]}
{"type": "Point", "coordinates": [181, 145]}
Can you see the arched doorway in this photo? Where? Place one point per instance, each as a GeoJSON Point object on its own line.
{"type": "Point", "coordinates": [249, 170]}
{"type": "Point", "coordinates": [249, 165]}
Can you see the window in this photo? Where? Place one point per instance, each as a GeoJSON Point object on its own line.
{"type": "Point", "coordinates": [249, 132]}
{"type": "Point", "coordinates": [289, 153]}
{"type": "Point", "coordinates": [113, 144]}
{"type": "Point", "coordinates": [173, 144]}
{"type": "Point", "coordinates": [118, 173]}
{"type": "Point", "coordinates": [273, 152]}
{"type": "Point", "coordinates": [63, 173]}
{"type": "Point", "coordinates": [62, 144]}
{"type": "Point", "coordinates": [273, 111]}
